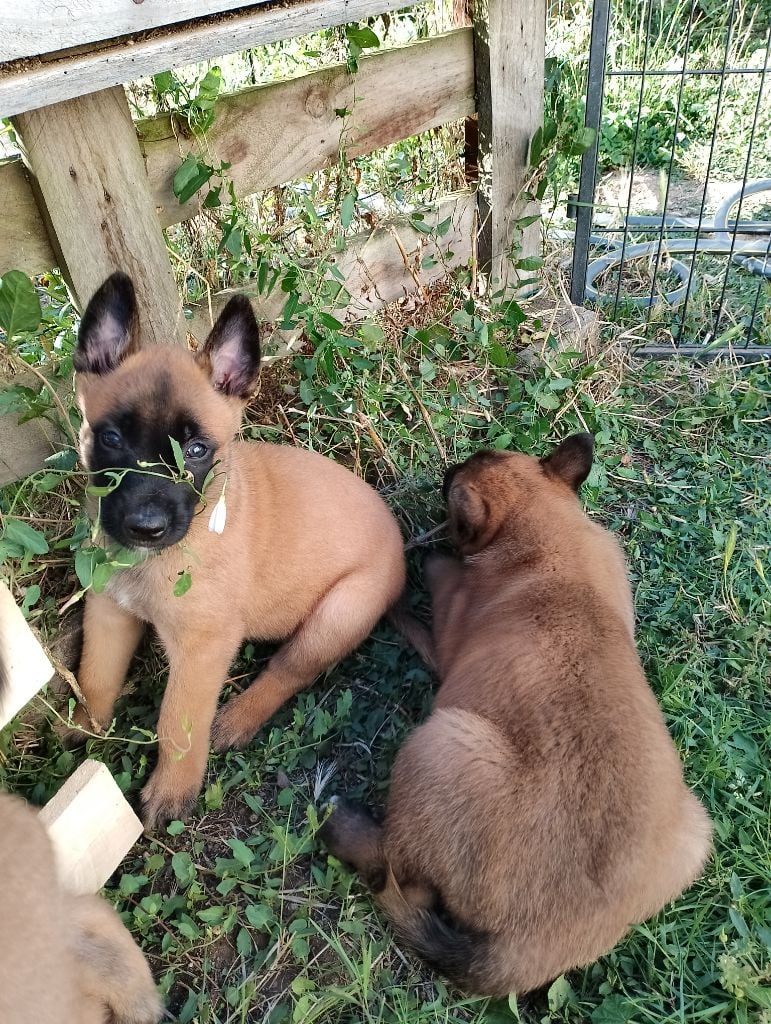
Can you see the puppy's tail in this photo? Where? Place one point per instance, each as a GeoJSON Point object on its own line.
{"type": "Point", "coordinates": [414, 632]}
{"type": "Point", "coordinates": [464, 957]}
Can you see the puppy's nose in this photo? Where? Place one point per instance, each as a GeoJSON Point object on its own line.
{"type": "Point", "coordinates": [147, 524]}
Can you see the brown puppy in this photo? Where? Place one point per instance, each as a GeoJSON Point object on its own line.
{"type": "Point", "coordinates": [307, 550]}
{"type": "Point", "coordinates": [62, 957]}
{"type": "Point", "coordinates": [541, 811]}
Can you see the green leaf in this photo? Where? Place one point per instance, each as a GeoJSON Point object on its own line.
{"type": "Point", "coordinates": [361, 36]}
{"type": "Point", "coordinates": [547, 400]}
{"type": "Point", "coordinates": [211, 915]}
{"type": "Point", "coordinates": [243, 942]}
{"type": "Point", "coordinates": [183, 584]}
{"type": "Point", "coordinates": [64, 459]}
{"type": "Point", "coordinates": [84, 566]}
{"type": "Point", "coordinates": [175, 828]}
{"type": "Point", "coordinates": [191, 175]}
{"type": "Point", "coordinates": [31, 598]}
{"type": "Point", "coordinates": [258, 916]}
{"type": "Point", "coordinates": [560, 994]}
{"type": "Point", "coordinates": [372, 335]}
{"type": "Point", "coordinates": [421, 226]}
{"type": "Point", "coordinates": [20, 310]}
{"type": "Point", "coordinates": [179, 458]}
{"type": "Point", "coordinates": [348, 209]}
{"type": "Point", "coordinates": [536, 147]}
{"type": "Point", "coordinates": [101, 575]}
{"type": "Point", "coordinates": [329, 321]}
{"type": "Point", "coordinates": [503, 441]}
{"type": "Point", "coordinates": [26, 536]}
{"type": "Point", "coordinates": [582, 142]}
{"type": "Point", "coordinates": [183, 868]}
{"type": "Point", "coordinates": [612, 1010]}
{"type": "Point", "coordinates": [129, 884]}
{"type": "Point", "coordinates": [529, 263]}
{"type": "Point", "coordinates": [307, 392]}
{"type": "Point", "coordinates": [241, 852]}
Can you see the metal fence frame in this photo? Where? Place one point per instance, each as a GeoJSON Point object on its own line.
{"type": "Point", "coordinates": [707, 236]}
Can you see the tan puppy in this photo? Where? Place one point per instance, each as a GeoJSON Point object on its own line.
{"type": "Point", "coordinates": [541, 811]}
{"type": "Point", "coordinates": [63, 958]}
{"type": "Point", "coordinates": [307, 550]}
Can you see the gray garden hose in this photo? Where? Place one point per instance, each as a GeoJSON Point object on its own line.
{"type": "Point", "coordinates": [744, 255]}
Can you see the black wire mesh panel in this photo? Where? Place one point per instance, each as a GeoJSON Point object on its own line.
{"type": "Point", "coordinates": [673, 214]}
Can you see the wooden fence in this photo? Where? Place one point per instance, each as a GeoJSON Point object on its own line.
{"type": "Point", "coordinates": [94, 190]}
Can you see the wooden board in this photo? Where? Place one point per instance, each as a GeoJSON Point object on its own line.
{"type": "Point", "coordinates": [24, 661]}
{"type": "Point", "coordinates": [24, 447]}
{"type": "Point", "coordinates": [509, 49]}
{"type": "Point", "coordinates": [396, 94]}
{"type": "Point", "coordinates": [30, 83]}
{"type": "Point", "coordinates": [378, 267]}
{"type": "Point", "coordinates": [92, 827]}
{"type": "Point", "coordinates": [399, 93]}
{"type": "Point", "coordinates": [91, 183]}
{"type": "Point", "coordinates": [40, 26]}
{"type": "Point", "coordinates": [24, 243]}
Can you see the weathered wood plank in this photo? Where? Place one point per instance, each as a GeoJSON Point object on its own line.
{"type": "Point", "coordinates": [42, 26]}
{"type": "Point", "coordinates": [25, 85]}
{"type": "Point", "coordinates": [24, 243]}
{"type": "Point", "coordinates": [394, 95]}
{"type": "Point", "coordinates": [509, 49]}
{"type": "Point", "coordinates": [25, 664]}
{"type": "Point", "coordinates": [24, 447]}
{"type": "Point", "coordinates": [93, 189]}
{"type": "Point", "coordinates": [377, 267]}
{"type": "Point", "coordinates": [398, 93]}
{"type": "Point", "coordinates": [92, 827]}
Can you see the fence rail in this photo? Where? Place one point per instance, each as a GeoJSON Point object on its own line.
{"type": "Point", "coordinates": [395, 94]}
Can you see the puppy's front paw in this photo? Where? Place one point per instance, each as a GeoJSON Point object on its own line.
{"type": "Point", "coordinates": [232, 727]}
{"type": "Point", "coordinates": [166, 798]}
{"type": "Point", "coordinates": [143, 1007]}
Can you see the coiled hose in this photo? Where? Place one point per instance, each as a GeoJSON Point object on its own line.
{"type": "Point", "coordinates": [745, 255]}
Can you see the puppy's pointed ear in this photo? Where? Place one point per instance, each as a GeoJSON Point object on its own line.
{"type": "Point", "coordinates": [232, 351]}
{"type": "Point", "coordinates": [469, 517]}
{"type": "Point", "coordinates": [108, 331]}
{"type": "Point", "coordinates": [571, 461]}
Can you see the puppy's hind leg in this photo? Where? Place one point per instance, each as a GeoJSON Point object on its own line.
{"type": "Point", "coordinates": [112, 972]}
{"type": "Point", "coordinates": [339, 622]}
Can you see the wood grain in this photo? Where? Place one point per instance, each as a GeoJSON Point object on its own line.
{"type": "Point", "coordinates": [92, 827]}
{"type": "Point", "coordinates": [24, 661]}
{"type": "Point", "coordinates": [93, 191]}
{"type": "Point", "coordinates": [378, 267]}
{"type": "Point", "coordinates": [24, 243]}
{"type": "Point", "coordinates": [44, 26]}
{"type": "Point", "coordinates": [25, 85]}
{"type": "Point", "coordinates": [509, 52]}
{"type": "Point", "coordinates": [396, 94]}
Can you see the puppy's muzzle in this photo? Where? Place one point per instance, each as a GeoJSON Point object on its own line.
{"type": "Point", "coordinates": [147, 526]}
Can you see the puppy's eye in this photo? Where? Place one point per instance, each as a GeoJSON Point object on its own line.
{"type": "Point", "coordinates": [111, 439]}
{"type": "Point", "coordinates": [196, 450]}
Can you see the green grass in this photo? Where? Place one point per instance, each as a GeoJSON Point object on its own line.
{"type": "Point", "coordinates": [242, 914]}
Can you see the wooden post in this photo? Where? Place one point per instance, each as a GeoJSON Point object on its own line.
{"type": "Point", "coordinates": [92, 827]}
{"type": "Point", "coordinates": [25, 665]}
{"type": "Point", "coordinates": [93, 192]}
{"type": "Point", "coordinates": [509, 54]}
